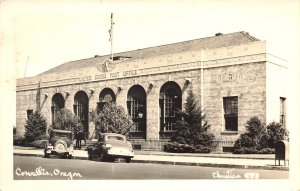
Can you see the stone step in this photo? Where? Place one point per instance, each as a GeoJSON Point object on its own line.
{"type": "Point", "coordinates": [89, 142]}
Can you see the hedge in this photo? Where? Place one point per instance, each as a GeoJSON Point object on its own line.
{"type": "Point", "coordinates": [185, 148]}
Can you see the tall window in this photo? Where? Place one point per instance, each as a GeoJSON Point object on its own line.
{"type": "Point", "coordinates": [136, 105]}
{"type": "Point", "coordinates": [231, 113]}
{"type": "Point", "coordinates": [170, 100]}
{"type": "Point", "coordinates": [282, 110]}
{"type": "Point", "coordinates": [107, 95]}
{"type": "Point", "coordinates": [81, 109]}
{"type": "Point", "coordinates": [58, 103]}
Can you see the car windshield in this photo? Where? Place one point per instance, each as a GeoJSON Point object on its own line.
{"type": "Point", "coordinates": [61, 135]}
{"type": "Point", "coordinates": [114, 137]}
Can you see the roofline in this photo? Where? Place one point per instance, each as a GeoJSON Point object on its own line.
{"type": "Point", "coordinates": [246, 34]}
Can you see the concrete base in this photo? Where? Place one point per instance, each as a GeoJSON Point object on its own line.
{"type": "Point", "coordinates": [151, 145]}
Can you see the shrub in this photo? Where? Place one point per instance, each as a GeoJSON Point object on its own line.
{"type": "Point", "coordinates": [112, 119]}
{"type": "Point", "coordinates": [266, 151]}
{"type": "Point", "coordinates": [35, 127]}
{"type": "Point", "coordinates": [243, 141]}
{"type": "Point", "coordinates": [202, 149]}
{"type": "Point", "coordinates": [65, 120]}
{"type": "Point", "coordinates": [251, 150]}
{"type": "Point", "coordinates": [245, 150]}
{"type": "Point", "coordinates": [252, 138]}
{"type": "Point", "coordinates": [40, 144]}
{"type": "Point", "coordinates": [185, 148]}
{"type": "Point", "coordinates": [21, 141]}
{"type": "Point", "coordinates": [259, 138]}
{"type": "Point", "coordinates": [276, 132]}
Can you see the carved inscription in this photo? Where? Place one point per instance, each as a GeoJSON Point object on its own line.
{"type": "Point", "coordinates": [221, 78]}
{"type": "Point", "coordinates": [232, 77]}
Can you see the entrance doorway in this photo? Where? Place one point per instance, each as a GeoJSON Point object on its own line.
{"type": "Point", "coordinates": [81, 109]}
{"type": "Point", "coordinates": [136, 105]}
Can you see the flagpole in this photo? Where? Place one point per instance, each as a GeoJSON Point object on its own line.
{"type": "Point", "coordinates": [111, 36]}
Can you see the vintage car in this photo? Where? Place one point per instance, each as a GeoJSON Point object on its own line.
{"type": "Point", "coordinates": [60, 143]}
{"type": "Point", "coordinates": [111, 146]}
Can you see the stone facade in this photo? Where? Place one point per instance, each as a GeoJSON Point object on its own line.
{"type": "Point", "coordinates": [246, 71]}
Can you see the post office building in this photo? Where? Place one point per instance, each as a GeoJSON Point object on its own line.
{"type": "Point", "coordinates": [233, 76]}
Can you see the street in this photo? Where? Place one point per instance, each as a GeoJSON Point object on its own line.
{"type": "Point", "coordinates": [38, 168]}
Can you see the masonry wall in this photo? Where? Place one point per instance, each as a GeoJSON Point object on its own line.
{"type": "Point", "coordinates": [26, 100]}
{"type": "Point", "coordinates": [231, 71]}
{"type": "Point", "coordinates": [247, 82]}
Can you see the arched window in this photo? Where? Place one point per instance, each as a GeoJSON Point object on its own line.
{"type": "Point", "coordinates": [170, 100]}
{"type": "Point", "coordinates": [136, 105]}
{"type": "Point", "coordinates": [81, 109]}
{"type": "Point", "coordinates": [107, 95]}
{"type": "Point", "coordinates": [58, 103]}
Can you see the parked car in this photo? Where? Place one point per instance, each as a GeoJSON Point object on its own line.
{"type": "Point", "coordinates": [111, 146]}
{"type": "Point", "coordinates": [60, 143]}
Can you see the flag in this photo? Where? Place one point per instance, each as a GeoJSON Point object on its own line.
{"type": "Point", "coordinates": [111, 27]}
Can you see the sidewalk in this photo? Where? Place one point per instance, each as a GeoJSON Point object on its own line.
{"type": "Point", "coordinates": [227, 160]}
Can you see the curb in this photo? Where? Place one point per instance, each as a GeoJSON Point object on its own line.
{"type": "Point", "coordinates": [283, 168]}
{"type": "Point", "coordinates": [214, 156]}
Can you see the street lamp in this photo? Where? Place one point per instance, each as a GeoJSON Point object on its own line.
{"type": "Point", "coordinates": [140, 114]}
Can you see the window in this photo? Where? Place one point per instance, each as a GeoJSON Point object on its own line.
{"type": "Point", "coordinates": [106, 96]}
{"type": "Point", "coordinates": [136, 105]}
{"type": "Point", "coordinates": [29, 112]}
{"type": "Point", "coordinates": [282, 111]}
{"type": "Point", "coordinates": [58, 103]}
{"type": "Point", "coordinates": [170, 100]}
{"type": "Point", "coordinates": [231, 113]}
{"type": "Point", "coordinates": [81, 109]}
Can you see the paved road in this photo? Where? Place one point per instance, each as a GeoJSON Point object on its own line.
{"type": "Point", "coordinates": [38, 168]}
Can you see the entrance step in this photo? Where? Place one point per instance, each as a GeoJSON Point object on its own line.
{"type": "Point", "coordinates": [89, 142]}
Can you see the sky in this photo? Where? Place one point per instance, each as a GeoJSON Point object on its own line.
{"type": "Point", "coordinates": [45, 34]}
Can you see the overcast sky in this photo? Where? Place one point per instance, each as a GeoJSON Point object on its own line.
{"type": "Point", "coordinates": [50, 33]}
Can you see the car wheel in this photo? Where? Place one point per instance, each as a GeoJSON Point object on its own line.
{"type": "Point", "coordinates": [112, 159]}
{"type": "Point", "coordinates": [46, 155]}
{"type": "Point", "coordinates": [65, 155]}
{"type": "Point", "coordinates": [102, 157]}
{"type": "Point", "coordinates": [90, 156]}
{"type": "Point", "coordinates": [128, 159]}
{"type": "Point", "coordinates": [70, 157]}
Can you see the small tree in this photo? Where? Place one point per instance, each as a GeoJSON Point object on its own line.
{"type": "Point", "coordinates": [191, 125]}
{"type": "Point", "coordinates": [65, 120]}
{"type": "Point", "coordinates": [255, 131]}
{"type": "Point", "coordinates": [35, 127]}
{"type": "Point", "coordinates": [275, 133]}
{"type": "Point", "coordinates": [112, 119]}
{"type": "Point", "coordinates": [259, 137]}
